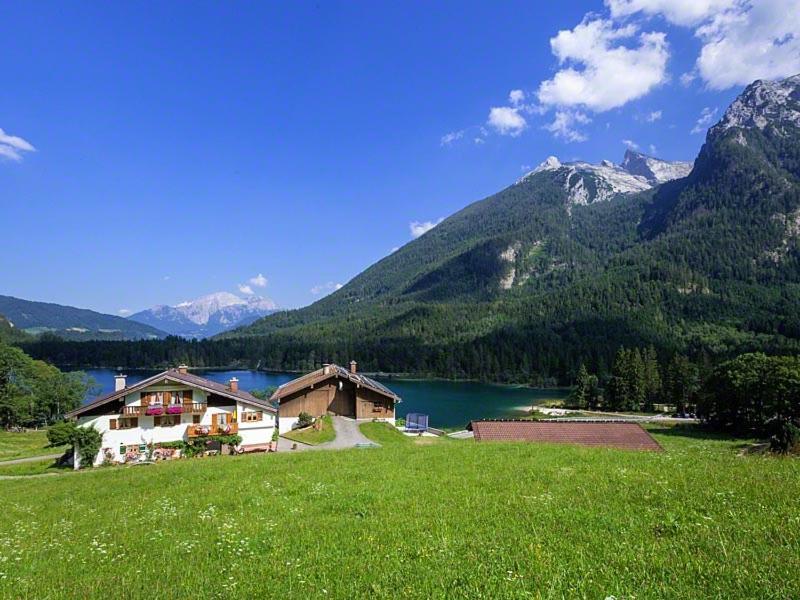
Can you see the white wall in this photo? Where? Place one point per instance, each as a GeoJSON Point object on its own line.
{"type": "Point", "coordinates": [285, 424]}
{"type": "Point", "coordinates": [259, 432]}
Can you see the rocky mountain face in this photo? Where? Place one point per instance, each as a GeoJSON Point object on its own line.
{"type": "Point", "coordinates": [207, 315]}
{"type": "Point", "coordinates": [763, 104]}
{"type": "Point", "coordinates": [586, 183]}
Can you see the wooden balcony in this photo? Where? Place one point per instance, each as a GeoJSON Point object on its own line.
{"type": "Point", "coordinates": [200, 430]}
{"type": "Point", "coordinates": [194, 408]}
{"type": "Point", "coordinates": [189, 408]}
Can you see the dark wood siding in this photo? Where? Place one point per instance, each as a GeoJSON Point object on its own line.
{"type": "Point", "coordinates": [371, 405]}
{"type": "Point", "coordinates": [324, 398]}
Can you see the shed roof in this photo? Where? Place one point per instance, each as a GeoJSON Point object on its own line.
{"type": "Point", "coordinates": [175, 376]}
{"type": "Point", "coordinates": [630, 436]}
{"type": "Point", "coordinates": [327, 372]}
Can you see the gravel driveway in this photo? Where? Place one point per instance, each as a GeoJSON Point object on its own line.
{"type": "Point", "coordinates": [347, 436]}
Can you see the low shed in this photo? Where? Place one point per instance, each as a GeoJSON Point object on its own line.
{"type": "Point", "coordinates": [626, 435]}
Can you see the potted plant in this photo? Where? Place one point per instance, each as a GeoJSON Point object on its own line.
{"type": "Point", "coordinates": [154, 410]}
{"type": "Point", "coordinates": [174, 409]}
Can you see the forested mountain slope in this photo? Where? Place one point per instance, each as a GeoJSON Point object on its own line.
{"type": "Point", "coordinates": [72, 323]}
{"type": "Point", "coordinates": [535, 279]}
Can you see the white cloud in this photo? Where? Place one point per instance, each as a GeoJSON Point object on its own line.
{"type": "Point", "coordinates": [12, 147]}
{"type": "Point", "coordinates": [679, 12]}
{"type": "Point", "coordinates": [507, 120]}
{"type": "Point", "coordinates": [524, 168]}
{"type": "Point", "coordinates": [704, 120]}
{"type": "Point", "coordinates": [631, 144]}
{"type": "Point", "coordinates": [600, 72]}
{"type": "Point", "coordinates": [258, 281]}
{"type": "Point", "coordinates": [417, 228]}
{"type": "Point", "coordinates": [653, 116]}
{"type": "Point", "coordinates": [246, 289]}
{"type": "Point", "coordinates": [166, 278]}
{"type": "Point", "coordinates": [653, 149]}
{"type": "Point", "coordinates": [758, 40]}
{"type": "Point", "coordinates": [451, 137]}
{"type": "Point", "coordinates": [479, 141]}
{"type": "Point", "coordinates": [325, 288]}
{"type": "Point", "coordinates": [563, 125]}
{"type": "Point", "coordinates": [687, 78]}
{"type": "Point", "coordinates": [124, 312]}
{"type": "Point", "coordinates": [743, 40]}
{"type": "Point", "coordinates": [516, 97]}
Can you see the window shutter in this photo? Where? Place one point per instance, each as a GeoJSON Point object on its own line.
{"type": "Point", "coordinates": [112, 424]}
{"type": "Point", "coordinates": [157, 421]}
{"type": "Point", "coordinates": [187, 395]}
{"type": "Point", "coordinates": [135, 422]}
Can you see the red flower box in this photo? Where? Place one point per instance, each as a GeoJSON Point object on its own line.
{"type": "Point", "coordinates": [174, 409]}
{"type": "Point", "coordinates": [154, 410]}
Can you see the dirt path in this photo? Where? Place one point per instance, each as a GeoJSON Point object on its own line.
{"type": "Point", "coordinates": [27, 459]}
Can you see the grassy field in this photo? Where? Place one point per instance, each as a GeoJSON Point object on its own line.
{"type": "Point", "coordinates": [22, 445]}
{"type": "Point", "coordinates": [454, 519]}
{"type": "Point", "coordinates": [38, 467]}
{"type": "Point", "coordinates": [312, 436]}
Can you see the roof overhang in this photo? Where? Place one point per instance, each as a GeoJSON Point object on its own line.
{"type": "Point", "coordinates": [170, 377]}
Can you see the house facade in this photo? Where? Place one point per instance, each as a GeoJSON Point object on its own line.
{"type": "Point", "coordinates": [334, 390]}
{"type": "Point", "coordinates": [174, 406]}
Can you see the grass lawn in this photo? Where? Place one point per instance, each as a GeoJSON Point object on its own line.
{"type": "Point", "coordinates": [387, 435]}
{"type": "Point", "coordinates": [311, 436]}
{"type": "Point", "coordinates": [38, 467]}
{"type": "Point", "coordinates": [22, 445]}
{"type": "Point", "coordinates": [384, 434]}
{"type": "Point", "coordinates": [456, 520]}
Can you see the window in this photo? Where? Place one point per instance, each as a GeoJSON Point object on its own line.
{"type": "Point", "coordinates": [128, 423]}
{"type": "Point", "coordinates": [167, 420]}
{"type": "Point", "coordinates": [196, 419]}
{"type": "Point", "coordinates": [252, 416]}
{"type": "Point", "coordinates": [377, 407]}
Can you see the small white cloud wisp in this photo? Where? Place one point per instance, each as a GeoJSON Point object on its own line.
{"type": "Point", "coordinates": [13, 147]}
{"type": "Point", "coordinates": [418, 228]}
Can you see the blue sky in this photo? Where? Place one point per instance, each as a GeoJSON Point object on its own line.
{"type": "Point", "coordinates": [154, 152]}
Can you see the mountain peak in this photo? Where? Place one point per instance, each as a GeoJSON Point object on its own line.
{"type": "Point", "coordinates": [587, 182]}
{"type": "Point", "coordinates": [207, 315]}
{"type": "Point", "coordinates": [654, 169]}
{"type": "Point", "coordinates": [763, 103]}
{"type": "Point", "coordinates": [549, 164]}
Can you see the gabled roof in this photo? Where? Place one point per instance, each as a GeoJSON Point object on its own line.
{"type": "Point", "coordinates": [175, 376]}
{"type": "Point", "coordinates": [630, 436]}
{"type": "Point", "coordinates": [328, 372]}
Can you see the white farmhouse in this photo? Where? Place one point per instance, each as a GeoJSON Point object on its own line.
{"type": "Point", "coordinates": [173, 406]}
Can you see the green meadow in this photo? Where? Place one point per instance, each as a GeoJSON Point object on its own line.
{"type": "Point", "coordinates": [414, 519]}
{"type": "Point", "coordinates": [22, 445]}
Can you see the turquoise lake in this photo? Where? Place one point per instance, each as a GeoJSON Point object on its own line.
{"type": "Point", "coordinates": [449, 403]}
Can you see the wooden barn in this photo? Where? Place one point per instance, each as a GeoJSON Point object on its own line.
{"type": "Point", "coordinates": [334, 390]}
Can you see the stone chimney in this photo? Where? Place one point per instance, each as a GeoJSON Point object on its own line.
{"type": "Point", "coordinates": [119, 382]}
{"type": "Point", "coordinates": [233, 384]}
{"type": "Point", "coordinates": [183, 369]}
{"type": "Point", "coordinates": [353, 366]}
{"type": "Point", "coordinates": [326, 369]}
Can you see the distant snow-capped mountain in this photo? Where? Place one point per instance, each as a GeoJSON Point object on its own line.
{"type": "Point", "coordinates": [207, 315]}
{"type": "Point", "coordinates": [587, 183]}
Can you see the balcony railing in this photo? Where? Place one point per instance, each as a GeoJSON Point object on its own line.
{"type": "Point", "coordinates": [189, 408]}
{"type": "Point", "coordinates": [224, 429]}
{"type": "Point", "coordinates": [194, 408]}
